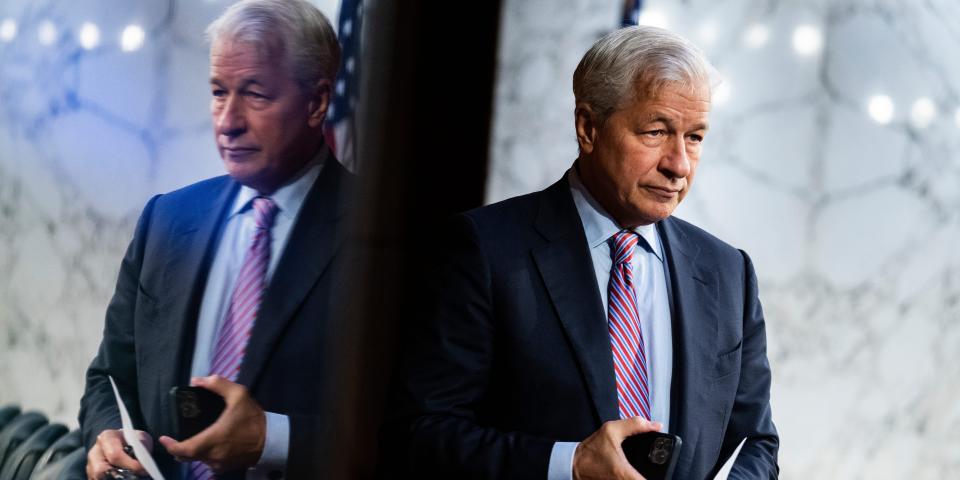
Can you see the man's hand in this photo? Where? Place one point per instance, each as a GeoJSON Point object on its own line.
{"type": "Point", "coordinates": [108, 453]}
{"type": "Point", "coordinates": [235, 440]}
{"type": "Point", "coordinates": [600, 455]}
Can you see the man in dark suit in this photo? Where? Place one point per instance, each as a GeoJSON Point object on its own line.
{"type": "Point", "coordinates": [228, 282]}
{"type": "Point", "coordinates": [566, 320]}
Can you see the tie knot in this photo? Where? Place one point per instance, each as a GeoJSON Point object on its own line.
{"type": "Point", "coordinates": [264, 211]}
{"type": "Point", "coordinates": [622, 245]}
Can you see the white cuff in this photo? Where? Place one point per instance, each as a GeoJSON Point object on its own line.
{"type": "Point", "coordinates": [276, 445]}
{"type": "Point", "coordinates": [561, 461]}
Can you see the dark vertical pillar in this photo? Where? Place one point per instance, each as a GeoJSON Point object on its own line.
{"type": "Point", "coordinates": [424, 128]}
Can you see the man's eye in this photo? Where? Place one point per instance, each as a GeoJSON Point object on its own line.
{"type": "Point", "coordinates": [655, 133]}
{"type": "Point", "coordinates": [696, 138]}
{"type": "Point", "coordinates": [255, 95]}
{"type": "Point", "coordinates": [218, 92]}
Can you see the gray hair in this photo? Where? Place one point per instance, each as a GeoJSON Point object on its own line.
{"type": "Point", "coordinates": [303, 34]}
{"type": "Point", "coordinates": [636, 61]}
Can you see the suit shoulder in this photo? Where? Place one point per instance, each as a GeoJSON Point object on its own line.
{"type": "Point", "coordinates": [166, 210]}
{"type": "Point", "coordinates": [196, 191]}
{"type": "Point", "coordinates": [504, 216]}
{"type": "Point", "coordinates": [710, 244]}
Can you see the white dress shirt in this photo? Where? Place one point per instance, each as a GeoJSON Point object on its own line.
{"type": "Point", "coordinates": [233, 246]}
{"type": "Point", "coordinates": [650, 278]}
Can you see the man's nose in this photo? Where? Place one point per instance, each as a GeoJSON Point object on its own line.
{"type": "Point", "coordinates": [230, 119]}
{"type": "Point", "coordinates": [676, 159]}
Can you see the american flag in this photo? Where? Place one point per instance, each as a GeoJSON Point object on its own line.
{"type": "Point", "coordinates": [631, 12]}
{"type": "Point", "coordinates": [341, 128]}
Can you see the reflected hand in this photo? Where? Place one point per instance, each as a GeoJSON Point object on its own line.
{"type": "Point", "coordinates": [108, 454]}
{"type": "Point", "coordinates": [232, 442]}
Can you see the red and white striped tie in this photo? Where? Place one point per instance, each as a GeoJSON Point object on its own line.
{"type": "Point", "coordinates": [626, 338]}
{"type": "Point", "coordinates": [244, 305]}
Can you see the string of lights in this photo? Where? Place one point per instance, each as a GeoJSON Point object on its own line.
{"type": "Point", "coordinates": [88, 36]}
{"type": "Point", "coordinates": [807, 41]}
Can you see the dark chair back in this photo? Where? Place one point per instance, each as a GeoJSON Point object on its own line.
{"type": "Point", "coordinates": [61, 448]}
{"type": "Point", "coordinates": [17, 431]}
{"type": "Point", "coordinates": [70, 467]}
{"type": "Point", "coordinates": [21, 462]}
{"type": "Point", "coordinates": [8, 413]}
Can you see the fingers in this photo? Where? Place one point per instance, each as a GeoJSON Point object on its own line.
{"type": "Point", "coordinates": [97, 465]}
{"type": "Point", "coordinates": [108, 453]}
{"type": "Point", "coordinates": [600, 456]}
{"type": "Point", "coordinates": [618, 430]}
{"type": "Point", "coordinates": [219, 385]}
{"type": "Point", "coordinates": [235, 439]}
{"type": "Point", "coordinates": [198, 446]}
{"type": "Point", "coordinates": [635, 425]}
{"type": "Point", "coordinates": [174, 448]}
{"type": "Point", "coordinates": [194, 448]}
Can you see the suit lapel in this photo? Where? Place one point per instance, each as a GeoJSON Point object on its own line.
{"type": "Point", "coordinates": [695, 325]}
{"type": "Point", "coordinates": [185, 275]}
{"type": "Point", "coordinates": [312, 245]}
{"type": "Point", "coordinates": [567, 270]}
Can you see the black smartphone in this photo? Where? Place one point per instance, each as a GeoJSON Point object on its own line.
{"type": "Point", "coordinates": [653, 454]}
{"type": "Point", "coordinates": [194, 409]}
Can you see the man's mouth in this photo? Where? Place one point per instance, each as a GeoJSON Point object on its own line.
{"type": "Point", "coordinates": [238, 152]}
{"type": "Point", "coordinates": [664, 191]}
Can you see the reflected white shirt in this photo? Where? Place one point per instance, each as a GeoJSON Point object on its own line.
{"type": "Point", "coordinates": [233, 246]}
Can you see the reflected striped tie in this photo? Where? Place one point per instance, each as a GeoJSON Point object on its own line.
{"type": "Point", "coordinates": [626, 338]}
{"type": "Point", "coordinates": [244, 305]}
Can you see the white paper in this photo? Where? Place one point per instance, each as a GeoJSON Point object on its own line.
{"type": "Point", "coordinates": [725, 470]}
{"type": "Point", "coordinates": [130, 436]}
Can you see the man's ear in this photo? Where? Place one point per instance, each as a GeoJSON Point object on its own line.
{"type": "Point", "coordinates": [585, 121]}
{"type": "Point", "coordinates": [319, 103]}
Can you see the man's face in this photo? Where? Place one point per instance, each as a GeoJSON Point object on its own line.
{"type": "Point", "coordinates": [639, 164]}
{"type": "Point", "coordinates": [266, 126]}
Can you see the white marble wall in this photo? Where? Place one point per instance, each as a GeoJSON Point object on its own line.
{"type": "Point", "coordinates": [86, 137]}
{"type": "Point", "coordinates": [852, 217]}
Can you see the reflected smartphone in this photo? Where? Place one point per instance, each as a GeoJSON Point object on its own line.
{"type": "Point", "coordinates": [195, 409]}
{"type": "Point", "coordinates": [653, 454]}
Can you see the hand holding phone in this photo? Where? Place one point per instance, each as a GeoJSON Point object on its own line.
{"type": "Point", "coordinates": [195, 408]}
{"type": "Point", "coordinates": [653, 454]}
{"type": "Point", "coordinates": [229, 439]}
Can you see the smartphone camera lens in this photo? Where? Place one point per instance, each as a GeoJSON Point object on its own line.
{"type": "Point", "coordinates": [660, 452]}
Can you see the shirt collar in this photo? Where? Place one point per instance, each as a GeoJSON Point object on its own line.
{"type": "Point", "coordinates": [290, 196]}
{"type": "Point", "coordinates": [599, 226]}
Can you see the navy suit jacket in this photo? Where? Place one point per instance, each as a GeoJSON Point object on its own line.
{"type": "Point", "coordinates": [515, 354]}
{"type": "Point", "coordinates": [151, 322]}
